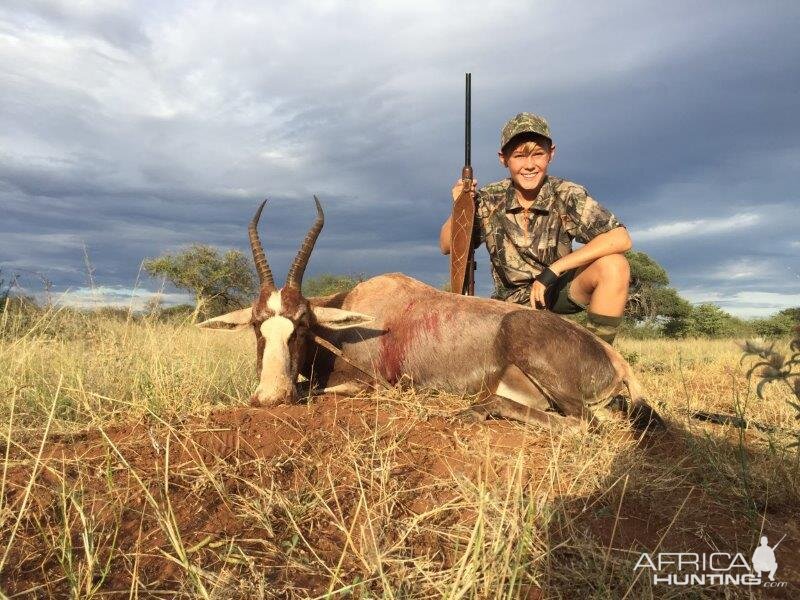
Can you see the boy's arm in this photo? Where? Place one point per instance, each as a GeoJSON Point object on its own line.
{"type": "Point", "coordinates": [596, 227]}
{"type": "Point", "coordinates": [616, 241]}
{"type": "Point", "coordinates": [444, 236]}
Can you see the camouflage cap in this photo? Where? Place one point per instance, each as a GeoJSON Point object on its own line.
{"type": "Point", "coordinates": [524, 123]}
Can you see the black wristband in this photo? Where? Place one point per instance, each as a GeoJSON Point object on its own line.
{"type": "Point", "coordinates": [547, 277]}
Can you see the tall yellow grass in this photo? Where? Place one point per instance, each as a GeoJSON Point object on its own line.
{"type": "Point", "coordinates": [521, 519]}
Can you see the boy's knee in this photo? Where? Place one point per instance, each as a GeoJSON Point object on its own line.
{"type": "Point", "coordinates": [614, 267]}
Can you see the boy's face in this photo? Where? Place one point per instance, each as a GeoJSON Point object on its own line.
{"type": "Point", "coordinates": [527, 162]}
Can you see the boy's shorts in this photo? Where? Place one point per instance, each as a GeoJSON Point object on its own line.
{"type": "Point", "coordinates": [557, 298]}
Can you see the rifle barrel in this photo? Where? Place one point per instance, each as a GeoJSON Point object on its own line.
{"type": "Point", "coordinates": [468, 122]}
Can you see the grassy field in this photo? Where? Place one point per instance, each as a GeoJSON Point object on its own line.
{"type": "Point", "coordinates": [133, 467]}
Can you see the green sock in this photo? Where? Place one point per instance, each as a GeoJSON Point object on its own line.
{"type": "Point", "coordinates": [603, 326]}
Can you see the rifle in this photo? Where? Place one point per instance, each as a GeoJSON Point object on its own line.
{"type": "Point", "coordinates": [462, 250]}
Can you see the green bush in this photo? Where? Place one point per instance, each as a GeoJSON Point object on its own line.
{"type": "Point", "coordinates": [176, 314]}
{"type": "Point", "coordinates": [779, 325]}
{"type": "Point", "coordinates": [707, 320]}
{"type": "Point", "coordinates": [641, 331]}
{"type": "Point", "coordinates": [327, 283]}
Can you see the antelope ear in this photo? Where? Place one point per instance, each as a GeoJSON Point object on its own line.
{"type": "Point", "coordinates": [232, 321]}
{"type": "Point", "coordinates": [336, 318]}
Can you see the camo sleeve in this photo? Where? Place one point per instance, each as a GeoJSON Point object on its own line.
{"type": "Point", "coordinates": [481, 220]}
{"type": "Point", "coordinates": [588, 217]}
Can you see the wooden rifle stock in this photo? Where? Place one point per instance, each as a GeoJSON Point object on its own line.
{"type": "Point", "coordinates": [462, 223]}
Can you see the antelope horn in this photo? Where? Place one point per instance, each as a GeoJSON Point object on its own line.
{"type": "Point", "coordinates": [262, 266]}
{"type": "Point", "coordinates": [295, 277]}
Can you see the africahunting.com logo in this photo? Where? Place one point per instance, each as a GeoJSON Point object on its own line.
{"type": "Point", "coordinates": [714, 568]}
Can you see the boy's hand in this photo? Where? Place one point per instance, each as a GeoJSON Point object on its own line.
{"type": "Point", "coordinates": [537, 295]}
{"type": "Point", "coordinates": [543, 280]}
{"type": "Point", "coordinates": [459, 186]}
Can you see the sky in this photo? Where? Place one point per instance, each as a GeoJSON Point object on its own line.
{"type": "Point", "coordinates": [130, 129]}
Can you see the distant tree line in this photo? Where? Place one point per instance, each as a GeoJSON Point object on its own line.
{"type": "Point", "coordinates": [225, 281]}
{"type": "Point", "coordinates": [656, 309]}
{"type": "Point", "coordinates": [222, 281]}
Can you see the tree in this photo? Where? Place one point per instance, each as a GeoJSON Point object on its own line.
{"type": "Point", "coordinates": [650, 296]}
{"type": "Point", "coordinates": [711, 321]}
{"type": "Point", "coordinates": [778, 325]}
{"type": "Point", "coordinates": [326, 284]}
{"type": "Point", "coordinates": [220, 282]}
{"type": "Point", "coordinates": [705, 320]}
{"type": "Point", "coordinates": [792, 313]}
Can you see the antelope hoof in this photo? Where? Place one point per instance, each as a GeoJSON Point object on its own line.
{"type": "Point", "coordinates": [618, 403]}
{"type": "Point", "coordinates": [256, 403]}
{"type": "Point", "coordinates": [472, 415]}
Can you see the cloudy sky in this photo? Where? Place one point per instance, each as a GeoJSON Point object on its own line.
{"type": "Point", "coordinates": [131, 129]}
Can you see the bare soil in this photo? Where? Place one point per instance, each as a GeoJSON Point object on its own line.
{"type": "Point", "coordinates": [273, 495]}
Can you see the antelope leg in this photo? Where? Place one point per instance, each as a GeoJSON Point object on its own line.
{"type": "Point", "coordinates": [349, 388]}
{"type": "Point", "coordinates": [497, 406]}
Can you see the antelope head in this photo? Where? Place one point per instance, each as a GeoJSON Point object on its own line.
{"type": "Point", "coordinates": [283, 319]}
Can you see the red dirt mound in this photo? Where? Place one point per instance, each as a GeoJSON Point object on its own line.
{"type": "Point", "coordinates": [136, 484]}
{"type": "Point", "coordinates": [296, 499]}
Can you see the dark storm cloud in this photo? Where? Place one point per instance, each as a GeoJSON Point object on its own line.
{"type": "Point", "coordinates": [132, 130]}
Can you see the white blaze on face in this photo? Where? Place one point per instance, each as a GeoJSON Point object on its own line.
{"type": "Point", "coordinates": [275, 384]}
{"type": "Point", "coordinates": [275, 302]}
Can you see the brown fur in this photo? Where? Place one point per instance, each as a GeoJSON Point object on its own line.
{"type": "Point", "coordinates": [565, 361]}
{"type": "Point", "coordinates": [519, 360]}
{"type": "Point", "coordinates": [466, 345]}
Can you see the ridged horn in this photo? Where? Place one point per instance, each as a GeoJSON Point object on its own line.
{"type": "Point", "coordinates": [262, 266]}
{"type": "Point", "coordinates": [295, 277]}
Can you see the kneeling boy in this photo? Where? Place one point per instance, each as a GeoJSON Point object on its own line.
{"type": "Point", "coordinates": [528, 222]}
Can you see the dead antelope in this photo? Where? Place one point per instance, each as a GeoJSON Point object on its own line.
{"type": "Point", "coordinates": [521, 363]}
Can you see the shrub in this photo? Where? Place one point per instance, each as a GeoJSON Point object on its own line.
{"type": "Point", "coordinates": [326, 284]}
{"type": "Point", "coordinates": [779, 325]}
{"type": "Point", "coordinates": [706, 320]}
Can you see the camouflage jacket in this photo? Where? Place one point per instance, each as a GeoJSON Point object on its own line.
{"type": "Point", "coordinates": [522, 243]}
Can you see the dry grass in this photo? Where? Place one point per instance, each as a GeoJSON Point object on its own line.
{"type": "Point", "coordinates": [131, 467]}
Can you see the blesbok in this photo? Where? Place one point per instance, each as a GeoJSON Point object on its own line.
{"type": "Point", "coordinates": [523, 364]}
